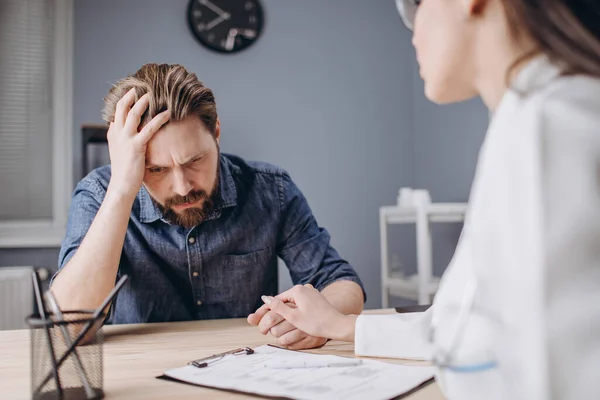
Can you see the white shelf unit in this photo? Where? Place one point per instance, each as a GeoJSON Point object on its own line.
{"type": "Point", "coordinates": [420, 211]}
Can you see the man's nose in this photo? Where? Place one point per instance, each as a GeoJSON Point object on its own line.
{"type": "Point", "coordinates": [181, 184]}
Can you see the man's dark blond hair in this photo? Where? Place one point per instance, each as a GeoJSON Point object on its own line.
{"type": "Point", "coordinates": [171, 87]}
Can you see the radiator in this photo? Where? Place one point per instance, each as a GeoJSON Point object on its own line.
{"type": "Point", "coordinates": [16, 296]}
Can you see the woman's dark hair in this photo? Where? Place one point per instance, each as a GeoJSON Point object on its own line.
{"type": "Point", "coordinates": [566, 31]}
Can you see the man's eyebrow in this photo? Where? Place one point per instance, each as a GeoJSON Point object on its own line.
{"type": "Point", "coordinates": [194, 157]}
{"type": "Point", "coordinates": [151, 165]}
{"type": "Point", "coordinates": [187, 161]}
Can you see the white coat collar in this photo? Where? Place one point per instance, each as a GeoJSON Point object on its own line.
{"type": "Point", "coordinates": [536, 74]}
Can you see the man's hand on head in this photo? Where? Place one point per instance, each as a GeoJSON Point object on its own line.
{"type": "Point", "coordinates": [286, 334]}
{"type": "Point", "coordinates": [127, 145]}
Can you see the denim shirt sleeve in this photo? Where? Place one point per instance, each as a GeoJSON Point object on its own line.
{"type": "Point", "coordinates": [304, 246]}
{"type": "Point", "coordinates": [85, 203]}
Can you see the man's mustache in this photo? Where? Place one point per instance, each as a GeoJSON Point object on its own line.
{"type": "Point", "coordinates": [191, 197]}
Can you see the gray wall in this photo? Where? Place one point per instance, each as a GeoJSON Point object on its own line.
{"type": "Point", "coordinates": [330, 92]}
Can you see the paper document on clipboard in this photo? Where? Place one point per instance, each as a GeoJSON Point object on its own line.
{"type": "Point", "coordinates": [251, 374]}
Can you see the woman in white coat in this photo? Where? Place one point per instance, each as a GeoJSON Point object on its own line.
{"type": "Point", "coordinates": [517, 314]}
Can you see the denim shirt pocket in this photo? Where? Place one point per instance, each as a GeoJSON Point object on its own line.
{"type": "Point", "coordinates": [245, 274]}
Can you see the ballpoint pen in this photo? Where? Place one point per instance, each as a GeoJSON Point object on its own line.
{"type": "Point", "coordinates": [311, 364]}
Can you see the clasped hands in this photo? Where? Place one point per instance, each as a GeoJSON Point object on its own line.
{"type": "Point", "coordinates": [302, 318]}
{"type": "Point", "coordinates": [284, 332]}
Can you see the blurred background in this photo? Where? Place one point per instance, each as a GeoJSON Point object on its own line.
{"type": "Point", "coordinates": [330, 91]}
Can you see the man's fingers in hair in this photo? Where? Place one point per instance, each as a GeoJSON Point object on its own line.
{"type": "Point", "coordinates": [135, 114]}
{"type": "Point", "coordinates": [123, 107]}
{"type": "Point", "coordinates": [154, 125]}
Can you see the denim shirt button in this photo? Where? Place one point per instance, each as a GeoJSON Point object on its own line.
{"type": "Point", "coordinates": [199, 302]}
{"type": "Point", "coordinates": [192, 240]}
{"type": "Point", "coordinates": [195, 273]}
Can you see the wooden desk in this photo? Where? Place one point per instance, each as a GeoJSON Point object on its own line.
{"type": "Point", "coordinates": [135, 354]}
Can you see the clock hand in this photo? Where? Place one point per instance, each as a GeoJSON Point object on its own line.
{"type": "Point", "coordinates": [231, 39]}
{"type": "Point", "coordinates": [213, 7]}
{"type": "Point", "coordinates": [216, 22]}
{"type": "Point", "coordinates": [249, 33]}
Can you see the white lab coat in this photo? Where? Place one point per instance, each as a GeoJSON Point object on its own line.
{"type": "Point", "coordinates": [531, 240]}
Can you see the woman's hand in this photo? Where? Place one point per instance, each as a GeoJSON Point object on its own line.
{"type": "Point", "coordinates": [313, 313]}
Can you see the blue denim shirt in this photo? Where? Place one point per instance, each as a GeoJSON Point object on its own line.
{"type": "Point", "coordinates": [220, 268]}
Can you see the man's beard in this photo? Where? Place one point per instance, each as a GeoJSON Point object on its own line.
{"type": "Point", "coordinates": [190, 217]}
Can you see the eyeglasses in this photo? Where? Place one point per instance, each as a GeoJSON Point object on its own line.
{"type": "Point", "coordinates": [206, 361]}
{"type": "Point", "coordinates": [407, 10]}
{"type": "Point", "coordinates": [445, 358]}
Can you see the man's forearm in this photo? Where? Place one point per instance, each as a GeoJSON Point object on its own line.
{"type": "Point", "coordinates": [90, 275]}
{"type": "Point", "coordinates": [345, 296]}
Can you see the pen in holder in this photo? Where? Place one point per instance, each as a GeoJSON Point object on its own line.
{"type": "Point", "coordinates": [80, 375]}
{"type": "Point", "coordinates": [66, 349]}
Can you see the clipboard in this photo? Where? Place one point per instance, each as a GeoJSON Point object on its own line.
{"type": "Point", "coordinates": [402, 396]}
{"type": "Point", "coordinates": [371, 379]}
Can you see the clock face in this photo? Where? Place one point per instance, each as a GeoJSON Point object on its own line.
{"type": "Point", "coordinates": [226, 26]}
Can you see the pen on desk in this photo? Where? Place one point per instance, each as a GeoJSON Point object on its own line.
{"type": "Point", "coordinates": [312, 364]}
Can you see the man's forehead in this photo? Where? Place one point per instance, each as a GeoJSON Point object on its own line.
{"type": "Point", "coordinates": [176, 134]}
{"type": "Point", "coordinates": [179, 142]}
{"type": "Point", "coordinates": [175, 155]}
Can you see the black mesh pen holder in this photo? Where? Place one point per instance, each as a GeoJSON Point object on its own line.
{"type": "Point", "coordinates": [66, 356]}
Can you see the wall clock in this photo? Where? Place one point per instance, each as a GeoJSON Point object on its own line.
{"type": "Point", "coordinates": [225, 26]}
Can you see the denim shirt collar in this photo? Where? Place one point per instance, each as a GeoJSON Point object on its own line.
{"type": "Point", "coordinates": [149, 211]}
